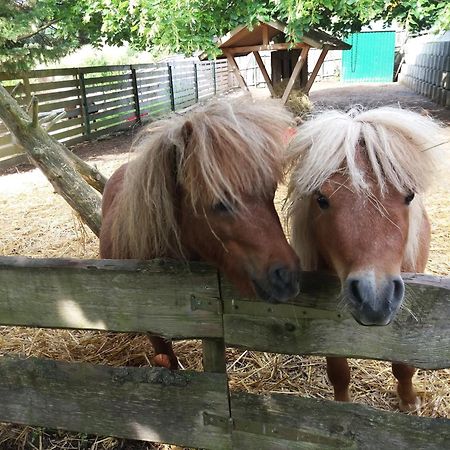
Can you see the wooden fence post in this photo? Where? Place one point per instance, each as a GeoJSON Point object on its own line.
{"type": "Point", "coordinates": [214, 77]}
{"type": "Point", "coordinates": [214, 355]}
{"type": "Point", "coordinates": [135, 94]}
{"type": "Point", "coordinates": [84, 103]}
{"type": "Point", "coordinates": [196, 82]}
{"type": "Point", "coordinates": [172, 96]}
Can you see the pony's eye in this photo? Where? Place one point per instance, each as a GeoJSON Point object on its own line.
{"type": "Point", "coordinates": [323, 201]}
{"type": "Point", "coordinates": [222, 207]}
{"type": "Point", "coordinates": [409, 198]}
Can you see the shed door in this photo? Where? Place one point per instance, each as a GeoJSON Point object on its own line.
{"type": "Point", "coordinates": [371, 58]}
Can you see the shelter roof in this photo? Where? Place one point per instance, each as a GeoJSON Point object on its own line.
{"type": "Point", "coordinates": [274, 31]}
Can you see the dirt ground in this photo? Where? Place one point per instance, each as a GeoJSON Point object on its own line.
{"type": "Point", "coordinates": [36, 222]}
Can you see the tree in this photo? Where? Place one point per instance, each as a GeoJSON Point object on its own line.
{"type": "Point", "coordinates": [37, 31]}
{"type": "Point", "coordinates": [190, 25]}
{"type": "Point", "coordinates": [34, 31]}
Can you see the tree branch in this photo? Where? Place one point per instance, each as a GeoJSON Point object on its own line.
{"type": "Point", "coordinates": [41, 28]}
{"type": "Point", "coordinates": [52, 158]}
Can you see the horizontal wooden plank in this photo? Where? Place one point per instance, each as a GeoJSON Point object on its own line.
{"type": "Point", "coordinates": [148, 66]}
{"type": "Point", "coordinates": [187, 93]}
{"type": "Point", "coordinates": [154, 97]}
{"type": "Point", "coordinates": [151, 88]}
{"type": "Point", "coordinates": [128, 108]}
{"type": "Point", "coordinates": [6, 163]}
{"type": "Point", "coordinates": [67, 123]}
{"type": "Point", "coordinates": [102, 70]}
{"type": "Point", "coordinates": [163, 297]}
{"type": "Point", "coordinates": [151, 403]}
{"type": "Point", "coordinates": [185, 74]}
{"type": "Point", "coordinates": [53, 85]}
{"type": "Point", "coordinates": [109, 96]}
{"type": "Point", "coordinates": [112, 121]}
{"type": "Point", "coordinates": [160, 73]}
{"type": "Point", "coordinates": [59, 105]}
{"type": "Point", "coordinates": [75, 140]}
{"type": "Point", "coordinates": [314, 324]}
{"type": "Point", "coordinates": [5, 139]}
{"type": "Point", "coordinates": [51, 96]}
{"type": "Point", "coordinates": [107, 88]}
{"type": "Point", "coordinates": [154, 110]}
{"type": "Point", "coordinates": [10, 150]}
{"type": "Point", "coordinates": [106, 79]}
{"type": "Point", "coordinates": [281, 422]}
{"type": "Point", "coordinates": [41, 73]}
{"type": "Point", "coordinates": [62, 135]}
{"type": "Point", "coordinates": [103, 106]}
{"type": "Point", "coordinates": [184, 104]}
{"type": "Point", "coordinates": [111, 129]}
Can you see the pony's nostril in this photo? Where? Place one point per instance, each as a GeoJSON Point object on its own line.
{"type": "Point", "coordinates": [354, 290]}
{"type": "Point", "coordinates": [399, 289]}
{"type": "Point", "coordinates": [281, 276]}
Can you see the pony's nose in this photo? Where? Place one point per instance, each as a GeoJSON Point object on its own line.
{"type": "Point", "coordinates": [374, 303]}
{"type": "Point", "coordinates": [284, 282]}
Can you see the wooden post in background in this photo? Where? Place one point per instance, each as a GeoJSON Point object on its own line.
{"type": "Point", "coordinates": [316, 69]}
{"type": "Point", "coordinates": [84, 103]}
{"type": "Point", "coordinates": [301, 60]}
{"type": "Point", "coordinates": [135, 94]}
{"type": "Point", "coordinates": [172, 96]}
{"type": "Point", "coordinates": [196, 82]}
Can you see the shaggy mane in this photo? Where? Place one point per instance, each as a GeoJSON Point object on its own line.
{"type": "Point", "coordinates": [217, 152]}
{"type": "Point", "coordinates": [394, 144]}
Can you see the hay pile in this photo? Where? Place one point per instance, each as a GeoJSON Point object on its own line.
{"type": "Point", "coordinates": [36, 222]}
{"type": "Point", "coordinates": [298, 102]}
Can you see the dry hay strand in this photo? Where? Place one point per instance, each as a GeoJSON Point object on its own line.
{"type": "Point", "coordinates": [298, 102]}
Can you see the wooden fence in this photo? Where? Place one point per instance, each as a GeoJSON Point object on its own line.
{"type": "Point", "coordinates": [101, 100]}
{"type": "Point", "coordinates": [196, 409]}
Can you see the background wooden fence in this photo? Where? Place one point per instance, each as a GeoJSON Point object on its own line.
{"type": "Point", "coordinates": [101, 100]}
{"type": "Point", "coordinates": [196, 408]}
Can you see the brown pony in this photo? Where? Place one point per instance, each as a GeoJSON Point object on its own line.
{"type": "Point", "coordinates": [202, 188]}
{"type": "Point", "coordinates": [356, 210]}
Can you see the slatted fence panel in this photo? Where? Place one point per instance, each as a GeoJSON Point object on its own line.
{"type": "Point", "coordinates": [100, 100]}
{"type": "Point", "coordinates": [196, 409]}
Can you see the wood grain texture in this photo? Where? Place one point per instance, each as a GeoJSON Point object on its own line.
{"type": "Point", "coordinates": [282, 422]}
{"type": "Point", "coordinates": [151, 404]}
{"type": "Point", "coordinates": [314, 324]}
{"type": "Point", "coordinates": [162, 297]}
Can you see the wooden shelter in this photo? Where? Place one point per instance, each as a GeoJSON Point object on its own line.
{"type": "Point", "coordinates": [272, 36]}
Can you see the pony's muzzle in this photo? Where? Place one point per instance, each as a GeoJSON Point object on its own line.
{"type": "Point", "coordinates": [280, 284]}
{"type": "Point", "coordinates": [374, 303]}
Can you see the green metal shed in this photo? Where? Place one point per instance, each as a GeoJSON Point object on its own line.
{"type": "Point", "coordinates": [371, 58]}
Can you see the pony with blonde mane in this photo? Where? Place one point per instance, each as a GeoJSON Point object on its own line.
{"type": "Point", "coordinates": [201, 188]}
{"type": "Point", "coordinates": [355, 208]}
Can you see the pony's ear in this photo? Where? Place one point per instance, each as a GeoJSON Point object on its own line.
{"type": "Point", "coordinates": [186, 132]}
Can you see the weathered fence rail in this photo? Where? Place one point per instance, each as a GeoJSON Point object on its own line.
{"type": "Point", "coordinates": [101, 100]}
{"type": "Point", "coordinates": [196, 409]}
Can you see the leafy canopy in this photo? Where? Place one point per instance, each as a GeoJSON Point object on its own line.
{"type": "Point", "coordinates": [41, 30]}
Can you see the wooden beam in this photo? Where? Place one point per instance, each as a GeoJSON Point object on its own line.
{"type": "Point", "coordinates": [280, 421]}
{"type": "Point", "coordinates": [236, 71]}
{"type": "Point", "coordinates": [315, 71]}
{"type": "Point", "coordinates": [167, 298]}
{"type": "Point", "coordinates": [144, 403]}
{"type": "Point", "coordinates": [317, 325]}
{"type": "Point", "coordinates": [258, 48]}
{"type": "Point", "coordinates": [298, 66]}
{"type": "Point", "coordinates": [265, 33]}
{"type": "Point", "coordinates": [266, 76]}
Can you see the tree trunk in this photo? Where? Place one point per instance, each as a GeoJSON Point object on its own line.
{"type": "Point", "coordinates": [54, 160]}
